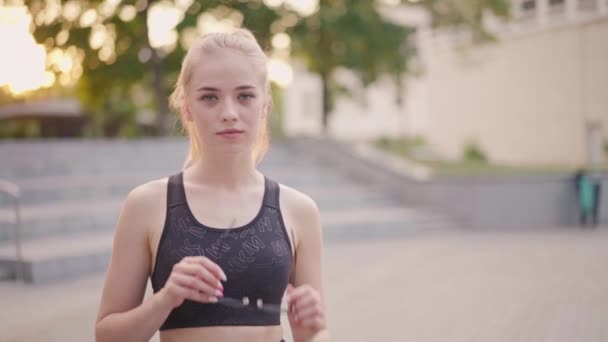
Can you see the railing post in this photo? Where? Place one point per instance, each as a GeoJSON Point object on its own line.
{"type": "Point", "coordinates": [19, 274]}
{"type": "Point", "coordinates": [14, 191]}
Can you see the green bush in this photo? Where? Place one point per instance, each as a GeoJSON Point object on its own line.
{"type": "Point", "coordinates": [383, 142]}
{"type": "Point", "coordinates": [19, 129]}
{"type": "Point", "coordinates": [472, 152]}
{"type": "Point", "coordinates": [404, 146]}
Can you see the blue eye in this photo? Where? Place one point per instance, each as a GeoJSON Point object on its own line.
{"type": "Point", "coordinates": [208, 98]}
{"type": "Point", "coordinates": [246, 96]}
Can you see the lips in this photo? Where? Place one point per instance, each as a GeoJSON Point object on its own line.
{"type": "Point", "coordinates": [230, 134]}
{"type": "Point", "coordinates": [230, 131]}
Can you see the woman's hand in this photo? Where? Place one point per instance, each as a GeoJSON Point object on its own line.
{"type": "Point", "coordinates": [305, 308]}
{"type": "Point", "coordinates": [194, 278]}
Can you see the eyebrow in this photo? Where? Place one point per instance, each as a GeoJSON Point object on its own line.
{"type": "Point", "coordinates": [242, 87]}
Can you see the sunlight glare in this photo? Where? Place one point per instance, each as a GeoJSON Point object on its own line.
{"type": "Point", "coordinates": [304, 7]}
{"type": "Point", "coordinates": [127, 13]}
{"type": "Point", "coordinates": [22, 67]}
{"type": "Point", "coordinates": [88, 18]}
{"type": "Point", "coordinates": [281, 41]}
{"type": "Point", "coordinates": [273, 3]}
{"type": "Point", "coordinates": [162, 20]}
{"type": "Point", "coordinates": [280, 72]}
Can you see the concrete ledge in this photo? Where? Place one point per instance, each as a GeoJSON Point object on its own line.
{"type": "Point", "coordinates": [496, 201]}
{"type": "Point", "coordinates": [59, 258]}
{"type": "Point", "coordinates": [69, 257]}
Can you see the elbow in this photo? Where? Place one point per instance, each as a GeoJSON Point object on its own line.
{"type": "Point", "coordinates": [100, 335]}
{"type": "Point", "coordinates": [102, 332]}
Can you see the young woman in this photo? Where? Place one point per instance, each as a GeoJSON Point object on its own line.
{"type": "Point", "coordinates": [220, 242]}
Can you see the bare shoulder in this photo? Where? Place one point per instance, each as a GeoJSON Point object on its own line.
{"type": "Point", "coordinates": [297, 202]}
{"type": "Point", "coordinates": [148, 195]}
{"type": "Point", "coordinates": [147, 191]}
{"type": "Point", "coordinates": [147, 202]}
{"type": "Point", "coordinates": [300, 214]}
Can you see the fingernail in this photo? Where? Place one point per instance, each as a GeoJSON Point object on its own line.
{"type": "Point", "coordinates": [221, 286]}
{"type": "Point", "coordinates": [219, 293]}
{"type": "Point", "coordinates": [213, 299]}
{"type": "Point", "coordinates": [224, 278]}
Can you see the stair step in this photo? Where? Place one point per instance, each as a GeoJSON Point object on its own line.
{"type": "Point", "coordinates": [64, 257]}
{"type": "Point", "coordinates": [59, 258]}
{"type": "Point", "coordinates": [75, 217]}
{"type": "Point", "coordinates": [6, 272]}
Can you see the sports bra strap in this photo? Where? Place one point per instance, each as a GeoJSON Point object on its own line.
{"type": "Point", "coordinates": [175, 191]}
{"type": "Point", "coordinates": [271, 197]}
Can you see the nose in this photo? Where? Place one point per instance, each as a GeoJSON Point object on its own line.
{"type": "Point", "coordinates": [229, 111]}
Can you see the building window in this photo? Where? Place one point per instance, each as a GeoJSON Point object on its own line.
{"type": "Point", "coordinates": [527, 9]}
{"type": "Point", "coordinates": [528, 5]}
{"type": "Point", "coordinates": [587, 5]}
{"type": "Point", "coordinates": [557, 7]}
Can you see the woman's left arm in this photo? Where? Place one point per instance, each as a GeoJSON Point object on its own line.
{"type": "Point", "coordinates": [305, 295]}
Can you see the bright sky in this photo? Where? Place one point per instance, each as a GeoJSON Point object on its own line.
{"type": "Point", "coordinates": [23, 67]}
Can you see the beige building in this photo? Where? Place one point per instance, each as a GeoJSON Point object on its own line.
{"type": "Point", "coordinates": [538, 96]}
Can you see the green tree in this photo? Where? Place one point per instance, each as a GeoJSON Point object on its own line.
{"type": "Point", "coordinates": [467, 14]}
{"type": "Point", "coordinates": [106, 83]}
{"type": "Point", "coordinates": [350, 34]}
{"type": "Point", "coordinates": [341, 33]}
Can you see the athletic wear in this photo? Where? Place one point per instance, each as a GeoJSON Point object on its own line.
{"type": "Point", "coordinates": [256, 257]}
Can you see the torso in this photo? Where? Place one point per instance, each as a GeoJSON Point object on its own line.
{"type": "Point", "coordinates": [211, 210]}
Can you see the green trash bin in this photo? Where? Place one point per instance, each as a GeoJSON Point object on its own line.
{"type": "Point", "coordinates": [587, 197]}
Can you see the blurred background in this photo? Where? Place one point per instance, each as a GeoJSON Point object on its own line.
{"type": "Point", "coordinates": [457, 150]}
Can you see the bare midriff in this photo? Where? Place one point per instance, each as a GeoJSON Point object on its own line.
{"type": "Point", "coordinates": [224, 334]}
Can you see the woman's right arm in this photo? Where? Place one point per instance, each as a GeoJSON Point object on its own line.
{"type": "Point", "coordinates": [122, 315]}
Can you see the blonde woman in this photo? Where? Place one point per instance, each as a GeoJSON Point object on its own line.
{"type": "Point", "coordinates": [220, 242]}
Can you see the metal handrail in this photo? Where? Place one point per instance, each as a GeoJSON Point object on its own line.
{"type": "Point", "coordinates": [14, 191]}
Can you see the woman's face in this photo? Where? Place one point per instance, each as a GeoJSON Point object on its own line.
{"type": "Point", "coordinates": [226, 101]}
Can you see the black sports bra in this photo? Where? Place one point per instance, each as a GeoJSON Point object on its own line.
{"type": "Point", "coordinates": [256, 257]}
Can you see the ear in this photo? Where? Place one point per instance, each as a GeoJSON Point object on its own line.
{"type": "Point", "coordinates": [265, 109]}
{"type": "Point", "coordinates": [186, 112]}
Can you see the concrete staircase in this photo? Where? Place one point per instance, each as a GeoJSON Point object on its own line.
{"type": "Point", "coordinates": [72, 192]}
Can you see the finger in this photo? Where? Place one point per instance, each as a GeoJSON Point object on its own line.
{"type": "Point", "coordinates": [300, 291]}
{"type": "Point", "coordinates": [200, 272]}
{"type": "Point", "coordinates": [291, 299]}
{"type": "Point", "coordinates": [315, 323]}
{"type": "Point", "coordinates": [304, 302]}
{"type": "Point", "coordinates": [210, 266]}
{"type": "Point", "coordinates": [186, 293]}
{"type": "Point", "coordinates": [309, 312]}
{"type": "Point", "coordinates": [197, 296]}
{"type": "Point", "coordinates": [305, 291]}
{"type": "Point", "coordinates": [307, 322]}
{"type": "Point", "coordinates": [194, 283]}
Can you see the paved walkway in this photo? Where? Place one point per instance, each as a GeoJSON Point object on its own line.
{"type": "Point", "coordinates": [547, 285]}
{"type": "Point", "coordinates": [392, 273]}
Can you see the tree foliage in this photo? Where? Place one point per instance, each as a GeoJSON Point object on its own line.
{"type": "Point", "coordinates": [341, 33]}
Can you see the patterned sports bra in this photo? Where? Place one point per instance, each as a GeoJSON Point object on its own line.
{"type": "Point", "coordinates": [257, 259]}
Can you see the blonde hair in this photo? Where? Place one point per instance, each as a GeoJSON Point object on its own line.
{"type": "Point", "coordinates": [241, 40]}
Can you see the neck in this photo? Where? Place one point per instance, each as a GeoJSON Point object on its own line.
{"type": "Point", "coordinates": [229, 171]}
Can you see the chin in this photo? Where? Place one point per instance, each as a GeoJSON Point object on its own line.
{"type": "Point", "coordinates": [235, 149]}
